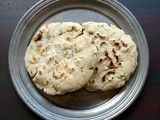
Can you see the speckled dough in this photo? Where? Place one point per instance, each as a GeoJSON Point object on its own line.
{"type": "Point", "coordinates": [64, 57]}
{"type": "Point", "coordinates": [117, 56]}
{"type": "Point", "coordinates": [60, 58]}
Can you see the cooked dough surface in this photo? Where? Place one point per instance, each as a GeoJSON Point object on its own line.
{"type": "Point", "coordinates": [59, 58]}
{"type": "Point", "coordinates": [64, 57]}
{"type": "Point", "coordinates": [117, 56]}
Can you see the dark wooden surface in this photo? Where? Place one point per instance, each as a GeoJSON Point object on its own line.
{"type": "Point", "coordinates": [146, 106]}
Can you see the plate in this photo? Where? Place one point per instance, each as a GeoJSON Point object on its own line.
{"type": "Point", "coordinates": [80, 104]}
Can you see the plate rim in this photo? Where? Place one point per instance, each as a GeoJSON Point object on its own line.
{"type": "Point", "coordinates": [29, 13]}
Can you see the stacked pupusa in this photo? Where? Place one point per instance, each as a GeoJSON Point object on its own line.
{"type": "Point", "coordinates": [64, 57]}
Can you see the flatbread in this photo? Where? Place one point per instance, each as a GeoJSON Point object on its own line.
{"type": "Point", "coordinates": [60, 58]}
{"type": "Point", "coordinates": [117, 56]}
{"type": "Point", "coordinates": [64, 57]}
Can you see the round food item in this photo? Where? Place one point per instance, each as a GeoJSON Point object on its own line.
{"type": "Point", "coordinates": [60, 58]}
{"type": "Point", "coordinates": [117, 56]}
{"type": "Point", "coordinates": [64, 57]}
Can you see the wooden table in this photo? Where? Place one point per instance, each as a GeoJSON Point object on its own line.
{"type": "Point", "coordinates": [146, 106]}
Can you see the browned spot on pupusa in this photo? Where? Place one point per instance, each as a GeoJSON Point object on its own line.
{"type": "Point", "coordinates": [104, 78]}
{"type": "Point", "coordinates": [96, 70]}
{"type": "Point", "coordinates": [100, 36]}
{"type": "Point", "coordinates": [73, 28]}
{"type": "Point", "coordinates": [103, 44]}
{"type": "Point", "coordinates": [55, 76]}
{"type": "Point", "coordinates": [103, 59]}
{"type": "Point", "coordinates": [38, 37]}
{"type": "Point", "coordinates": [124, 44]}
{"type": "Point", "coordinates": [50, 58]}
{"type": "Point", "coordinates": [47, 82]}
{"type": "Point", "coordinates": [106, 54]}
{"type": "Point", "coordinates": [111, 65]}
{"type": "Point", "coordinates": [33, 60]}
{"type": "Point", "coordinates": [110, 72]}
{"type": "Point", "coordinates": [40, 72]}
{"type": "Point", "coordinates": [62, 74]}
{"type": "Point", "coordinates": [120, 63]}
{"type": "Point", "coordinates": [117, 58]}
{"type": "Point", "coordinates": [90, 33]}
{"type": "Point", "coordinates": [114, 53]}
{"type": "Point", "coordinates": [68, 38]}
{"type": "Point", "coordinates": [117, 45]}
